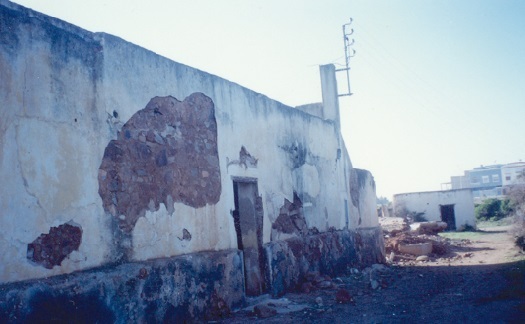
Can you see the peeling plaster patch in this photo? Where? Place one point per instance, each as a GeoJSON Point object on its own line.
{"type": "Point", "coordinates": [291, 219]}
{"type": "Point", "coordinates": [49, 250]}
{"type": "Point", "coordinates": [165, 153]}
{"type": "Point", "coordinates": [245, 159]}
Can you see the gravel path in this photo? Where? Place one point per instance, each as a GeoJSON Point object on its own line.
{"type": "Point", "coordinates": [480, 282]}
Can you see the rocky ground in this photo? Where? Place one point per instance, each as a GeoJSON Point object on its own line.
{"type": "Point", "coordinates": [477, 277]}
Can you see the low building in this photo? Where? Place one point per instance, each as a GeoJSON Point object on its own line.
{"type": "Point", "coordinates": [454, 207]}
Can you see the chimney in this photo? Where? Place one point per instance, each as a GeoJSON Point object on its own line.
{"type": "Point", "coordinates": [329, 92]}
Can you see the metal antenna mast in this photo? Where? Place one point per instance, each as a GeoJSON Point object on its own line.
{"type": "Point", "coordinates": [349, 52]}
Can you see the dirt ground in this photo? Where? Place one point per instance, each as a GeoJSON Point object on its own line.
{"type": "Point", "coordinates": [481, 279]}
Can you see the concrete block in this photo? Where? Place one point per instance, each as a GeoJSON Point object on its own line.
{"type": "Point", "coordinates": [416, 249]}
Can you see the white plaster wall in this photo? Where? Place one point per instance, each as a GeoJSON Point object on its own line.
{"type": "Point", "coordinates": [429, 203]}
{"type": "Point", "coordinates": [50, 149]}
{"type": "Point", "coordinates": [245, 118]}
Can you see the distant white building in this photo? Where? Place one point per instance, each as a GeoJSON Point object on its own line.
{"type": "Point", "coordinates": [513, 174]}
{"type": "Point", "coordinates": [454, 207]}
{"type": "Point", "coordinates": [489, 181]}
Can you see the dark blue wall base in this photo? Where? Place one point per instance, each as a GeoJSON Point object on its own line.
{"type": "Point", "coordinates": [329, 253]}
{"type": "Point", "coordinates": [202, 285]}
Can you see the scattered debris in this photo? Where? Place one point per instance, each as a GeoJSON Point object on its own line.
{"type": "Point", "coordinates": [393, 225]}
{"type": "Point", "coordinates": [419, 242]}
{"type": "Point", "coordinates": [428, 227]}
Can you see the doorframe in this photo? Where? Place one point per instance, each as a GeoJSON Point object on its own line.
{"type": "Point", "coordinates": [453, 208]}
{"type": "Point", "coordinates": [259, 219]}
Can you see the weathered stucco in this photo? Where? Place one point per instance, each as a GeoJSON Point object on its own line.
{"type": "Point", "coordinates": [51, 140]}
{"type": "Point", "coordinates": [150, 158]}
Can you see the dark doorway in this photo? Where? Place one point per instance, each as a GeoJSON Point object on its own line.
{"type": "Point", "coordinates": [448, 216]}
{"type": "Point", "coordinates": [248, 219]}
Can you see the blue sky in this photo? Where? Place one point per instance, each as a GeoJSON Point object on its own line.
{"type": "Point", "coordinates": [438, 86]}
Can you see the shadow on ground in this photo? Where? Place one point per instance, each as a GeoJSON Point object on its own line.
{"type": "Point", "coordinates": [409, 294]}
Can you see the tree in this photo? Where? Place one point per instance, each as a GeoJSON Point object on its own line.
{"type": "Point", "coordinates": [492, 209]}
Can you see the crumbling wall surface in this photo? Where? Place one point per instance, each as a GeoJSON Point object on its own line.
{"type": "Point", "coordinates": [295, 151]}
{"type": "Point", "coordinates": [72, 108]}
{"type": "Point", "coordinates": [331, 253]}
{"type": "Point", "coordinates": [166, 153]}
{"type": "Point", "coordinates": [51, 249]}
{"type": "Point", "coordinates": [204, 286]}
{"type": "Point", "coordinates": [51, 140]}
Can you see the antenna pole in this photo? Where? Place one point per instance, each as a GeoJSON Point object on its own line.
{"type": "Point", "coordinates": [349, 52]}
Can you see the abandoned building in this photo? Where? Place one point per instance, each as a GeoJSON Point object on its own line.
{"type": "Point", "coordinates": [454, 207]}
{"type": "Point", "coordinates": [135, 188]}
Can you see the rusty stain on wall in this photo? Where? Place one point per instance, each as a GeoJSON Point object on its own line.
{"type": "Point", "coordinates": [165, 153]}
{"type": "Point", "coordinates": [49, 250]}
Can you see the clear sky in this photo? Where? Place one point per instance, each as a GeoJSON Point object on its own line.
{"type": "Point", "coordinates": [438, 86]}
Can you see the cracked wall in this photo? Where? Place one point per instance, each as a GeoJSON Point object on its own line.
{"type": "Point", "coordinates": [166, 153]}
{"type": "Point", "coordinates": [48, 142]}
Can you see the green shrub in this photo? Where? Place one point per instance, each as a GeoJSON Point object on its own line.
{"type": "Point", "coordinates": [493, 209]}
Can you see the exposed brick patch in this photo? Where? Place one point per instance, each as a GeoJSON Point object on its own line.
{"type": "Point", "coordinates": [291, 219]}
{"type": "Point", "coordinates": [165, 153]}
{"type": "Point", "coordinates": [49, 250]}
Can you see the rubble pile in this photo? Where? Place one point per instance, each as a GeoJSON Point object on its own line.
{"type": "Point", "coordinates": [416, 242]}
